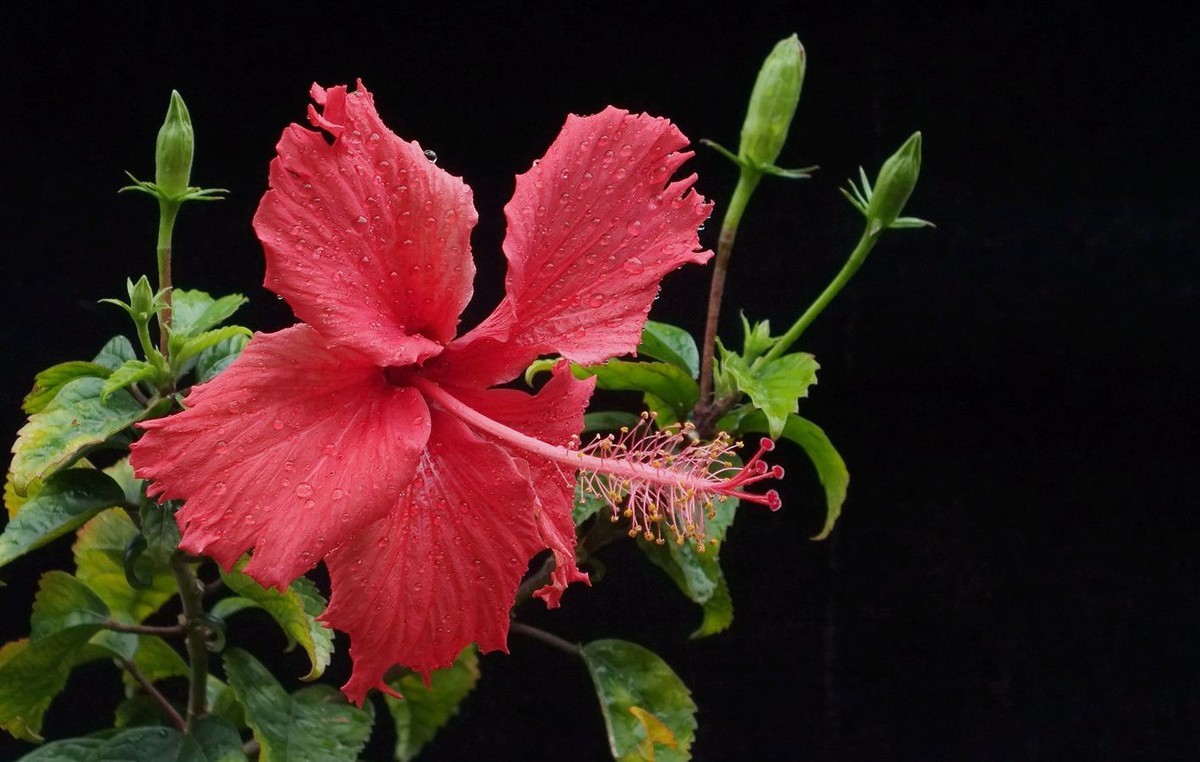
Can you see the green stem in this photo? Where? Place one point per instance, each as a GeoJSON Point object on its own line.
{"type": "Point", "coordinates": [747, 182]}
{"type": "Point", "coordinates": [190, 593]}
{"type": "Point", "coordinates": [857, 257]}
{"type": "Point", "coordinates": [167, 211]}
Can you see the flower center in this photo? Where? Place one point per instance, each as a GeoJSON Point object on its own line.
{"type": "Point", "coordinates": [664, 481]}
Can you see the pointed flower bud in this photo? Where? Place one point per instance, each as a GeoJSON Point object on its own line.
{"type": "Point", "coordinates": [174, 150]}
{"type": "Point", "coordinates": [773, 104]}
{"type": "Point", "coordinates": [895, 184]}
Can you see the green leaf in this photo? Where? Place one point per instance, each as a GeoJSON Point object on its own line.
{"type": "Point", "coordinates": [831, 469]}
{"type": "Point", "coordinates": [608, 420]}
{"type": "Point", "coordinates": [191, 347]}
{"type": "Point", "coordinates": [212, 740]}
{"type": "Point", "coordinates": [424, 711]}
{"type": "Point", "coordinates": [223, 702]}
{"type": "Point", "coordinates": [295, 611]}
{"type": "Point", "coordinates": [698, 574]}
{"type": "Point", "coordinates": [115, 353]}
{"type": "Point", "coordinates": [122, 474]}
{"type": "Point", "coordinates": [139, 711]}
{"type": "Point", "coordinates": [65, 502]}
{"type": "Point", "coordinates": [193, 312]}
{"type": "Point", "coordinates": [48, 383]}
{"type": "Point", "coordinates": [663, 341]}
{"type": "Point", "coordinates": [74, 421]}
{"type": "Point", "coordinates": [157, 660]}
{"type": "Point", "coordinates": [160, 530]}
{"type": "Point", "coordinates": [32, 673]}
{"type": "Point", "coordinates": [665, 381]}
{"type": "Point", "coordinates": [128, 374]}
{"type": "Point", "coordinates": [62, 602]}
{"type": "Point", "coordinates": [775, 387]}
{"type": "Point", "coordinates": [217, 358]}
{"type": "Point", "coordinates": [756, 339]}
{"type": "Point", "coordinates": [100, 564]}
{"type": "Point", "coordinates": [313, 724]}
{"type": "Point", "coordinates": [718, 610]}
{"type": "Point", "coordinates": [627, 677]}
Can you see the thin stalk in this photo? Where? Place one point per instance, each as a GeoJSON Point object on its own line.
{"type": "Point", "coordinates": [747, 182]}
{"type": "Point", "coordinates": [857, 257]}
{"type": "Point", "coordinates": [145, 629]}
{"type": "Point", "coordinates": [154, 694]}
{"type": "Point", "coordinates": [191, 592]}
{"type": "Point", "coordinates": [167, 211]}
{"type": "Point", "coordinates": [547, 638]}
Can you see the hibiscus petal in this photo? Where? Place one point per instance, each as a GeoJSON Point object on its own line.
{"type": "Point", "coordinates": [442, 569]}
{"type": "Point", "coordinates": [366, 238]}
{"type": "Point", "coordinates": [554, 415]}
{"type": "Point", "coordinates": [289, 451]}
{"type": "Point", "coordinates": [592, 229]}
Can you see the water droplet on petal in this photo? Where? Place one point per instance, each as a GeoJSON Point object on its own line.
{"type": "Point", "coordinates": [432, 156]}
{"type": "Point", "coordinates": [277, 425]}
{"type": "Point", "coordinates": [304, 489]}
{"type": "Point", "coordinates": [634, 227]}
{"type": "Point", "coordinates": [633, 266]}
{"type": "Point", "coordinates": [596, 300]}
{"type": "Point", "coordinates": [219, 488]}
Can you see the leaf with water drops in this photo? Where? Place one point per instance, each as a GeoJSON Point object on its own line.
{"type": "Point", "coordinates": [314, 724]}
{"type": "Point", "coordinates": [295, 610]}
{"type": "Point", "coordinates": [425, 710]}
{"type": "Point", "coordinates": [635, 685]}
{"type": "Point", "coordinates": [73, 422]}
{"type": "Point", "coordinates": [65, 502]}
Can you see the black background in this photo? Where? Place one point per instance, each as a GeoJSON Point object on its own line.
{"type": "Point", "coordinates": [1015, 573]}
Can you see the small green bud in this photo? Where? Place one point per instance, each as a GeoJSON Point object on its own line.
{"type": "Point", "coordinates": [895, 184]}
{"type": "Point", "coordinates": [141, 299]}
{"type": "Point", "coordinates": [773, 104]}
{"type": "Point", "coordinates": [174, 150]}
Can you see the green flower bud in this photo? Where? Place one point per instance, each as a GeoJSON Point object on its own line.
{"type": "Point", "coordinates": [141, 299]}
{"type": "Point", "coordinates": [895, 184]}
{"type": "Point", "coordinates": [174, 150]}
{"type": "Point", "coordinates": [773, 104]}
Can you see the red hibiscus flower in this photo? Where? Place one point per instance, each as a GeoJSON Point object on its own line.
{"type": "Point", "coordinates": [368, 436]}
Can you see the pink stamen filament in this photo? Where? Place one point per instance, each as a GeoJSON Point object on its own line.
{"type": "Point", "coordinates": [663, 475]}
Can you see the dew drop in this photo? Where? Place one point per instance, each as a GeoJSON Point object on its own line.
{"type": "Point", "coordinates": [633, 266]}
{"type": "Point", "coordinates": [304, 489]}
{"type": "Point", "coordinates": [634, 227]}
{"type": "Point", "coordinates": [596, 300]}
{"type": "Point", "coordinates": [338, 494]}
{"type": "Point", "coordinates": [277, 425]}
{"type": "Point", "coordinates": [219, 488]}
{"type": "Point", "coordinates": [432, 156]}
